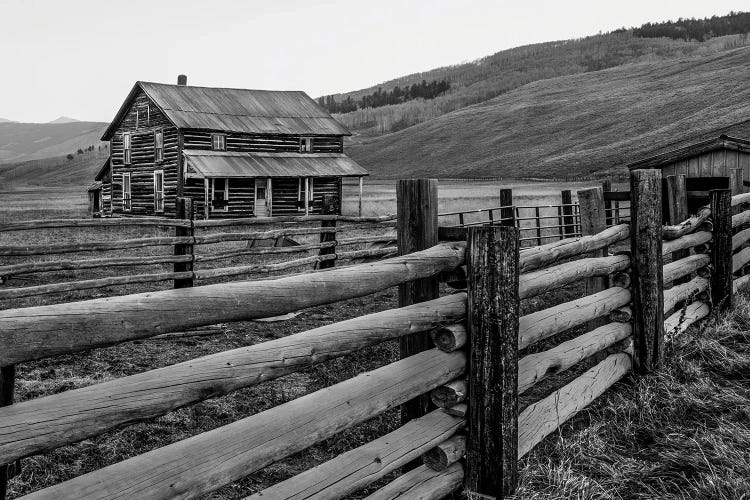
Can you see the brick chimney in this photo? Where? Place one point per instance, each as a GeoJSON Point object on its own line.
{"type": "Point", "coordinates": [182, 80]}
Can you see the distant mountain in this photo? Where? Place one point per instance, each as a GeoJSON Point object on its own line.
{"type": "Point", "coordinates": [64, 119]}
{"type": "Point", "coordinates": [580, 124]}
{"type": "Point", "coordinates": [26, 141]}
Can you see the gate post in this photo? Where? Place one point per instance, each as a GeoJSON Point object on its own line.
{"type": "Point", "coordinates": [493, 320]}
{"type": "Point", "coordinates": [646, 261]}
{"type": "Point", "coordinates": [186, 211]}
{"type": "Point", "coordinates": [721, 250]}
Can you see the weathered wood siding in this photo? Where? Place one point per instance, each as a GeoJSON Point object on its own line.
{"type": "Point", "coordinates": [141, 121]}
{"type": "Point", "coordinates": [201, 140]}
{"type": "Point", "coordinates": [241, 198]}
{"type": "Point", "coordinates": [712, 164]}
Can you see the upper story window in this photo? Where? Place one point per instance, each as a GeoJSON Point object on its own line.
{"type": "Point", "coordinates": [305, 145]}
{"type": "Point", "coordinates": [158, 145]}
{"type": "Point", "coordinates": [126, 148]}
{"type": "Point", "coordinates": [218, 142]}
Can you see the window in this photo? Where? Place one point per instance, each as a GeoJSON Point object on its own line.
{"type": "Point", "coordinates": [305, 145]}
{"type": "Point", "coordinates": [218, 142]}
{"type": "Point", "coordinates": [219, 195]}
{"type": "Point", "coordinates": [304, 189]}
{"type": "Point", "coordinates": [158, 145]}
{"type": "Point", "coordinates": [126, 148]}
{"type": "Point", "coordinates": [158, 190]}
{"type": "Point", "coordinates": [126, 198]}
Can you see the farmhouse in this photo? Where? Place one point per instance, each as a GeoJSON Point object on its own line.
{"type": "Point", "coordinates": [235, 152]}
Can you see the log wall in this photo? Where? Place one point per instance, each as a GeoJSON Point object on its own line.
{"type": "Point", "coordinates": [257, 143]}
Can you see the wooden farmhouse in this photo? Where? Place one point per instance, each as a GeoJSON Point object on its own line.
{"type": "Point", "coordinates": [716, 163]}
{"type": "Point", "coordinates": [235, 152]}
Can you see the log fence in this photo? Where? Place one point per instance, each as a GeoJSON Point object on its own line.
{"type": "Point", "coordinates": [466, 355]}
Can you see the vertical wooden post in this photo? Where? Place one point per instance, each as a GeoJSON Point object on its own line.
{"type": "Point", "coordinates": [206, 200]}
{"type": "Point", "coordinates": [568, 221]}
{"type": "Point", "coordinates": [184, 210]}
{"type": "Point", "coordinates": [417, 223]}
{"type": "Point", "coordinates": [7, 384]}
{"type": "Point", "coordinates": [608, 214]}
{"type": "Point", "coordinates": [493, 318]}
{"type": "Point", "coordinates": [538, 226]}
{"type": "Point", "coordinates": [329, 208]}
{"type": "Point", "coordinates": [721, 250]}
{"type": "Point", "coordinates": [593, 221]}
{"type": "Point", "coordinates": [677, 211]}
{"type": "Point", "coordinates": [646, 263]}
{"type": "Point", "coordinates": [507, 214]}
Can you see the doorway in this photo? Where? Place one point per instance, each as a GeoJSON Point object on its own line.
{"type": "Point", "coordinates": [262, 208]}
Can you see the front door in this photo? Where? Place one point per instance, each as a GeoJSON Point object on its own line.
{"type": "Point", "coordinates": [261, 198]}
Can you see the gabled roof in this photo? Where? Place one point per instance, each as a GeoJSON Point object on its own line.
{"type": "Point", "coordinates": [689, 151]}
{"type": "Point", "coordinates": [235, 110]}
{"type": "Point", "coordinates": [227, 164]}
{"type": "Point", "coordinates": [103, 169]}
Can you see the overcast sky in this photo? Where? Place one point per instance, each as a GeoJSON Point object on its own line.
{"type": "Point", "coordinates": [80, 58]}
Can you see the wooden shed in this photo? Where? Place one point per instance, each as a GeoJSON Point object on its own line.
{"type": "Point", "coordinates": [235, 152]}
{"type": "Point", "coordinates": [720, 162]}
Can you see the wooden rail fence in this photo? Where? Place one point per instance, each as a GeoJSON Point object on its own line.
{"type": "Point", "coordinates": [466, 356]}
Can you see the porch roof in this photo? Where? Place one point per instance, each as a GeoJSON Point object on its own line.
{"type": "Point", "coordinates": [228, 164]}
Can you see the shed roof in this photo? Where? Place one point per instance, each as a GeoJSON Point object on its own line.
{"type": "Point", "coordinates": [672, 155]}
{"type": "Point", "coordinates": [234, 164]}
{"type": "Point", "coordinates": [235, 110]}
{"type": "Point", "coordinates": [103, 170]}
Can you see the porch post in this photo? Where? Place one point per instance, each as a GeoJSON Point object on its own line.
{"type": "Point", "coordinates": [360, 195]}
{"type": "Point", "coordinates": [269, 197]}
{"type": "Point", "coordinates": [307, 196]}
{"type": "Point", "coordinates": [206, 208]}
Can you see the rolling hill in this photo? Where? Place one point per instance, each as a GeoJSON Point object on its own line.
{"type": "Point", "coordinates": [578, 124]}
{"type": "Point", "coordinates": [26, 141]}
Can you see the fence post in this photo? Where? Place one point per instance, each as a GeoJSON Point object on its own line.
{"type": "Point", "coordinates": [647, 285]}
{"type": "Point", "coordinates": [677, 211]}
{"type": "Point", "coordinates": [417, 223]}
{"type": "Point", "coordinates": [593, 221]}
{"type": "Point", "coordinates": [493, 318]}
{"type": "Point", "coordinates": [186, 211]}
{"type": "Point", "coordinates": [608, 214]}
{"type": "Point", "coordinates": [721, 250]}
{"type": "Point", "coordinates": [568, 222]}
{"type": "Point", "coordinates": [7, 384]}
{"type": "Point", "coordinates": [507, 217]}
{"type": "Point", "coordinates": [329, 208]}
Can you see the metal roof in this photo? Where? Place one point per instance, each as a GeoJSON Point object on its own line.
{"type": "Point", "coordinates": [233, 164]}
{"type": "Point", "coordinates": [235, 110]}
{"type": "Point", "coordinates": [672, 155]}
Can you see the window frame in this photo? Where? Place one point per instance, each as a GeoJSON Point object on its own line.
{"type": "Point", "coordinates": [127, 194]}
{"type": "Point", "coordinates": [309, 190]}
{"type": "Point", "coordinates": [158, 151]}
{"type": "Point", "coordinates": [159, 200]}
{"type": "Point", "coordinates": [127, 146]}
{"type": "Point", "coordinates": [216, 139]}
{"type": "Point", "coordinates": [225, 208]}
{"type": "Point", "coordinates": [306, 144]}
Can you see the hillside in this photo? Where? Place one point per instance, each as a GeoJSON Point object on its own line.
{"type": "Point", "coordinates": [26, 141]}
{"type": "Point", "coordinates": [56, 171]}
{"type": "Point", "coordinates": [572, 125]}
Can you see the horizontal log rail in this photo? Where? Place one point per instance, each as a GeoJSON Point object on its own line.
{"type": "Point", "coordinates": [367, 253]}
{"type": "Point", "coordinates": [205, 462]}
{"type": "Point", "coordinates": [741, 218]}
{"type": "Point", "coordinates": [682, 292]}
{"type": "Point", "coordinates": [686, 227]}
{"type": "Point", "coordinates": [422, 483]}
{"type": "Point", "coordinates": [551, 278]}
{"type": "Point", "coordinates": [222, 272]}
{"type": "Point", "coordinates": [740, 238]}
{"type": "Point", "coordinates": [41, 331]}
{"type": "Point", "coordinates": [684, 242]}
{"type": "Point", "coordinates": [208, 257]}
{"type": "Point", "coordinates": [740, 199]}
{"type": "Point", "coordinates": [534, 368]}
{"type": "Point", "coordinates": [679, 268]}
{"type": "Point", "coordinates": [93, 246]}
{"type": "Point", "coordinates": [740, 283]}
{"type": "Point", "coordinates": [383, 238]}
{"type": "Point", "coordinates": [542, 418]}
{"type": "Point", "coordinates": [740, 260]}
{"type": "Point", "coordinates": [545, 255]}
{"type": "Point", "coordinates": [45, 423]}
{"type": "Point", "coordinates": [542, 324]}
{"type": "Point", "coordinates": [681, 320]}
{"type": "Point", "coordinates": [109, 222]}
{"type": "Point", "coordinates": [207, 239]}
{"type": "Point", "coordinates": [355, 469]}
{"type": "Point", "coordinates": [71, 265]}
{"type": "Point", "coordinates": [30, 291]}
{"type": "Point", "coordinates": [256, 221]}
